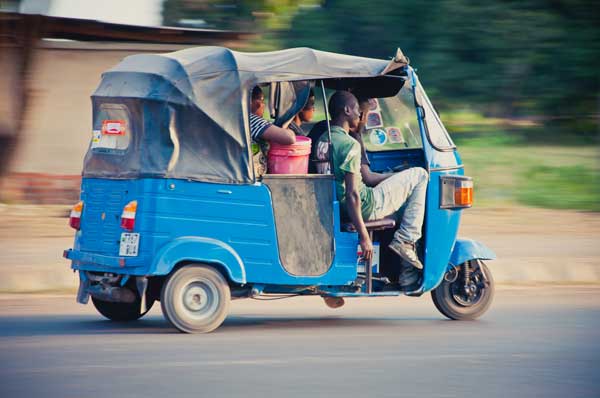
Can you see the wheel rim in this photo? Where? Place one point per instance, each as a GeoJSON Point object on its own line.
{"type": "Point", "coordinates": [472, 294]}
{"type": "Point", "coordinates": [199, 299]}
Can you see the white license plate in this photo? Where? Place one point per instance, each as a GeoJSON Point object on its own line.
{"type": "Point", "coordinates": [129, 244]}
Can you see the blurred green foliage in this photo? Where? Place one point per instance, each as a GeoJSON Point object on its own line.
{"type": "Point", "coordinates": [562, 187]}
{"type": "Point", "coordinates": [509, 59]}
{"type": "Point", "coordinates": [507, 169]}
{"type": "Point", "coordinates": [517, 82]}
{"type": "Point", "coordinates": [515, 59]}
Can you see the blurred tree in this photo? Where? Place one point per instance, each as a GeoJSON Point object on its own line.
{"type": "Point", "coordinates": [511, 58]}
{"type": "Point", "coordinates": [233, 14]}
{"type": "Point", "coordinates": [507, 58]}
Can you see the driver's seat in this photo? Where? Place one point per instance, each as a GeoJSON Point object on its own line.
{"type": "Point", "coordinates": [372, 225]}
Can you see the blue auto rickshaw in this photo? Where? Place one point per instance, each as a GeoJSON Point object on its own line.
{"type": "Point", "coordinates": [171, 209]}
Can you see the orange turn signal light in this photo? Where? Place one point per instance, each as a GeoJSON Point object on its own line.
{"type": "Point", "coordinates": [463, 196]}
{"type": "Point", "coordinates": [456, 192]}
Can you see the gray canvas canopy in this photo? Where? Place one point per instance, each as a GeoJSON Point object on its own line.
{"type": "Point", "coordinates": [187, 110]}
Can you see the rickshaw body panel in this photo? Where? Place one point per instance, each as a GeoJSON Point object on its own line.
{"type": "Point", "coordinates": [440, 226]}
{"type": "Point", "coordinates": [199, 250]}
{"type": "Point", "coordinates": [440, 231]}
{"type": "Point", "coordinates": [188, 221]}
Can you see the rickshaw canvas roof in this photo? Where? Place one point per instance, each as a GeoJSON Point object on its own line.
{"type": "Point", "coordinates": [291, 64]}
{"type": "Point", "coordinates": [208, 89]}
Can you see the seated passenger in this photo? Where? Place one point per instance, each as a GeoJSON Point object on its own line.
{"type": "Point", "coordinates": [304, 116]}
{"type": "Point", "coordinates": [370, 178]}
{"type": "Point", "coordinates": [262, 132]}
{"type": "Point", "coordinates": [393, 191]}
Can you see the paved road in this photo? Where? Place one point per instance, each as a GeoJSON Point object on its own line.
{"type": "Point", "coordinates": [537, 341]}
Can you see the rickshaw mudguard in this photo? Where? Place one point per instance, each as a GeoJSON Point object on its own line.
{"type": "Point", "coordinates": [469, 249]}
{"type": "Point", "coordinates": [199, 249]}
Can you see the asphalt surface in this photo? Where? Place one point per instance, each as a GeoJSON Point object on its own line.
{"type": "Point", "coordinates": [534, 341]}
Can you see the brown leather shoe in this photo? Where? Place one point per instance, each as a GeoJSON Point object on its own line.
{"type": "Point", "coordinates": [334, 302]}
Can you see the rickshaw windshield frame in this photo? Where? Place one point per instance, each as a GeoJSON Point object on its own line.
{"type": "Point", "coordinates": [419, 92]}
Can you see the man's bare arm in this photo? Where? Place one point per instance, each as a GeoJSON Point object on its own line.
{"type": "Point", "coordinates": [353, 208]}
{"type": "Point", "coordinates": [370, 178]}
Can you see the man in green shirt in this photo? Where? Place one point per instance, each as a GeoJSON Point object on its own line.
{"type": "Point", "coordinates": [405, 189]}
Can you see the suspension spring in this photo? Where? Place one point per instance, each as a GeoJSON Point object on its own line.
{"type": "Point", "coordinates": [467, 274]}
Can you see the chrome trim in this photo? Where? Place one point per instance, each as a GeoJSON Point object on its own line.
{"type": "Point", "coordinates": [447, 168]}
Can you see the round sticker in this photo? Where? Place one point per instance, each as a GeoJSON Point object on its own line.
{"type": "Point", "coordinates": [378, 137]}
{"type": "Point", "coordinates": [395, 135]}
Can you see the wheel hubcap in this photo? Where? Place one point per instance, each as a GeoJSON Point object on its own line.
{"type": "Point", "coordinates": [200, 299]}
{"type": "Point", "coordinates": [195, 298]}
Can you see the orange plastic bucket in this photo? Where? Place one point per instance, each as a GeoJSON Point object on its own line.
{"type": "Point", "coordinates": [289, 159]}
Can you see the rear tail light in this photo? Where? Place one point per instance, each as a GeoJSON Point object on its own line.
{"type": "Point", "coordinates": [75, 216]}
{"type": "Point", "coordinates": [456, 192]}
{"type": "Point", "coordinates": [128, 215]}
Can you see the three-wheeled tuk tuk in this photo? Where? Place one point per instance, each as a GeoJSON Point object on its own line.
{"type": "Point", "coordinates": [171, 209]}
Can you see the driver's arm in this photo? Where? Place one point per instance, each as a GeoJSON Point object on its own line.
{"type": "Point", "coordinates": [370, 178]}
{"type": "Point", "coordinates": [353, 208]}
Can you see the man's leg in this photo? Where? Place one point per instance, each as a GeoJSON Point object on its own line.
{"type": "Point", "coordinates": [405, 188]}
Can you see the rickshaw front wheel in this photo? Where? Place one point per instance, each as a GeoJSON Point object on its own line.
{"type": "Point", "coordinates": [466, 292]}
{"type": "Point", "coordinates": [195, 299]}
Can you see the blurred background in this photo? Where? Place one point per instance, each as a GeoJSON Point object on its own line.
{"type": "Point", "coordinates": [516, 83]}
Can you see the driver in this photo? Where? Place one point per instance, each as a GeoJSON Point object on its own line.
{"type": "Point", "coordinates": [404, 189]}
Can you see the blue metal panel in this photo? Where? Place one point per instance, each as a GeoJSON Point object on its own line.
{"type": "Point", "coordinates": [230, 224]}
{"type": "Point", "coordinates": [468, 249]}
{"type": "Point", "coordinates": [193, 248]}
{"type": "Point", "coordinates": [441, 228]}
{"type": "Point", "coordinates": [441, 225]}
{"type": "Point", "coordinates": [100, 224]}
{"type": "Point", "coordinates": [386, 161]}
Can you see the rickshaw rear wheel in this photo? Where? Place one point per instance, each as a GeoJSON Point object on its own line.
{"type": "Point", "coordinates": [121, 312]}
{"type": "Point", "coordinates": [195, 299]}
{"type": "Point", "coordinates": [458, 301]}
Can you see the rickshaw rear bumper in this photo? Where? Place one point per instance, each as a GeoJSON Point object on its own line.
{"type": "Point", "coordinates": [82, 260]}
{"type": "Point", "coordinates": [469, 249]}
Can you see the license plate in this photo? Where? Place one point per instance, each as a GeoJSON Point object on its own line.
{"type": "Point", "coordinates": [129, 244]}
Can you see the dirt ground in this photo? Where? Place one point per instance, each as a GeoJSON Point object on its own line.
{"type": "Point", "coordinates": [533, 245]}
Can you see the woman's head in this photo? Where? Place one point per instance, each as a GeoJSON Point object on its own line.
{"type": "Point", "coordinates": [307, 113]}
{"type": "Point", "coordinates": [257, 103]}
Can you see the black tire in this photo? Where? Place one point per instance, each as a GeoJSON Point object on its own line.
{"type": "Point", "coordinates": [195, 299]}
{"type": "Point", "coordinates": [449, 297]}
{"type": "Point", "coordinates": [121, 312]}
